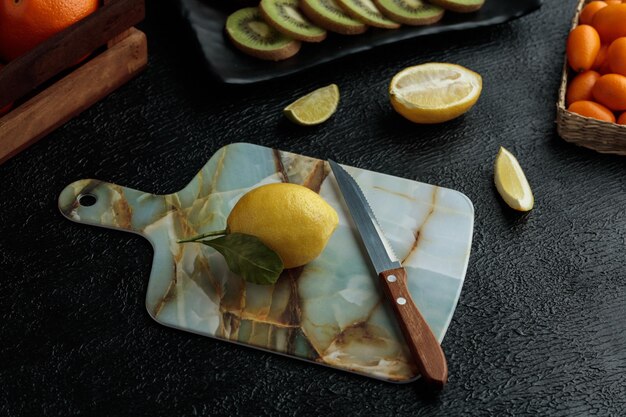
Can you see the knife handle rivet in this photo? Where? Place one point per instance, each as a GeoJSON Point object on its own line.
{"type": "Point", "coordinates": [401, 301]}
{"type": "Point", "coordinates": [391, 278]}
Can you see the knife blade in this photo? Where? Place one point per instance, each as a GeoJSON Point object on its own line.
{"type": "Point", "coordinates": [424, 348]}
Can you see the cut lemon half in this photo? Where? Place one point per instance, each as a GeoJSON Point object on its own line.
{"type": "Point", "coordinates": [511, 182]}
{"type": "Point", "coordinates": [434, 92]}
{"type": "Point", "coordinates": [314, 108]}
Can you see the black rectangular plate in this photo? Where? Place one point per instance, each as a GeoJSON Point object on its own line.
{"type": "Point", "coordinates": [207, 18]}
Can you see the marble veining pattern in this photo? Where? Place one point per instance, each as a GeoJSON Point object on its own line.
{"type": "Point", "coordinates": [331, 311]}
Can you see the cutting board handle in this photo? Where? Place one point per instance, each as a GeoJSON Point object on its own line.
{"type": "Point", "coordinates": [104, 204]}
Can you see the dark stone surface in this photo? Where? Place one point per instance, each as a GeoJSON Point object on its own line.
{"type": "Point", "coordinates": [540, 326]}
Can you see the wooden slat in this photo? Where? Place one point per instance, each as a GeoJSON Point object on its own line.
{"type": "Point", "coordinates": [72, 94]}
{"type": "Point", "coordinates": [66, 48]}
{"type": "Point", "coordinates": [119, 37]}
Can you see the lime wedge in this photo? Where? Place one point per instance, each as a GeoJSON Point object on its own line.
{"type": "Point", "coordinates": [314, 108]}
{"type": "Point", "coordinates": [511, 182]}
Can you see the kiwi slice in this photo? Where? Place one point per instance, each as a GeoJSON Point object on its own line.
{"type": "Point", "coordinates": [367, 12]}
{"type": "Point", "coordinates": [250, 34]}
{"type": "Point", "coordinates": [460, 6]}
{"type": "Point", "coordinates": [329, 15]}
{"type": "Point", "coordinates": [284, 16]}
{"type": "Point", "coordinates": [410, 12]}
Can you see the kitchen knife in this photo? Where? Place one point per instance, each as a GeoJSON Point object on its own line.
{"type": "Point", "coordinates": [428, 355]}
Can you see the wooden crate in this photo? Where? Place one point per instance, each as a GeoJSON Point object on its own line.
{"type": "Point", "coordinates": [41, 110]}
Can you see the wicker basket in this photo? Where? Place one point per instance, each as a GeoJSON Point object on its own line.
{"type": "Point", "coordinates": [600, 136]}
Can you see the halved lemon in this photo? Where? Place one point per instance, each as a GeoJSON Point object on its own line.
{"type": "Point", "coordinates": [511, 182]}
{"type": "Point", "coordinates": [434, 92]}
{"type": "Point", "coordinates": [314, 108]}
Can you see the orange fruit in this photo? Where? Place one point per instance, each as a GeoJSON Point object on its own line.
{"type": "Point", "coordinates": [610, 22]}
{"type": "Point", "coordinates": [610, 91]}
{"type": "Point", "coordinates": [601, 58]}
{"type": "Point", "coordinates": [613, 1]}
{"type": "Point", "coordinates": [583, 45]}
{"type": "Point", "coordinates": [622, 119]}
{"type": "Point", "coordinates": [586, 15]}
{"type": "Point", "coordinates": [581, 86]}
{"type": "Point", "coordinates": [617, 55]}
{"type": "Point", "coordinates": [593, 110]}
{"type": "Point", "coordinates": [26, 23]}
{"type": "Point", "coordinates": [605, 69]}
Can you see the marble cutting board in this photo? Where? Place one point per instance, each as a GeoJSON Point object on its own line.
{"type": "Point", "coordinates": [331, 311]}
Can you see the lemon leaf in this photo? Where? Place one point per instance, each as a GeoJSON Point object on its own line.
{"type": "Point", "coordinates": [248, 257]}
{"type": "Point", "coordinates": [203, 236]}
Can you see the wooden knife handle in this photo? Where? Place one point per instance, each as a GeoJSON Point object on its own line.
{"type": "Point", "coordinates": [422, 343]}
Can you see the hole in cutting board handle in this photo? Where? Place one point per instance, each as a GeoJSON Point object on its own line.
{"type": "Point", "coordinates": [87, 200]}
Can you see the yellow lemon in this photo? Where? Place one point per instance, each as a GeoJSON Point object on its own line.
{"type": "Point", "coordinates": [314, 108]}
{"type": "Point", "coordinates": [290, 219]}
{"type": "Point", "coordinates": [434, 92]}
{"type": "Point", "coordinates": [511, 182]}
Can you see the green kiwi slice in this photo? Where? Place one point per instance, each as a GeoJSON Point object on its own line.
{"type": "Point", "coordinates": [367, 12]}
{"type": "Point", "coordinates": [411, 12]}
{"type": "Point", "coordinates": [250, 34]}
{"type": "Point", "coordinates": [459, 6]}
{"type": "Point", "coordinates": [329, 15]}
{"type": "Point", "coordinates": [284, 16]}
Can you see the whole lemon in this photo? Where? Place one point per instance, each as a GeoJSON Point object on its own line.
{"type": "Point", "coordinates": [292, 220]}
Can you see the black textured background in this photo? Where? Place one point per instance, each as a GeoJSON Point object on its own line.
{"type": "Point", "coordinates": [540, 328]}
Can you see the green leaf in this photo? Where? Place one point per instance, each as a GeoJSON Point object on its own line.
{"type": "Point", "coordinates": [203, 236]}
{"type": "Point", "coordinates": [248, 257]}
